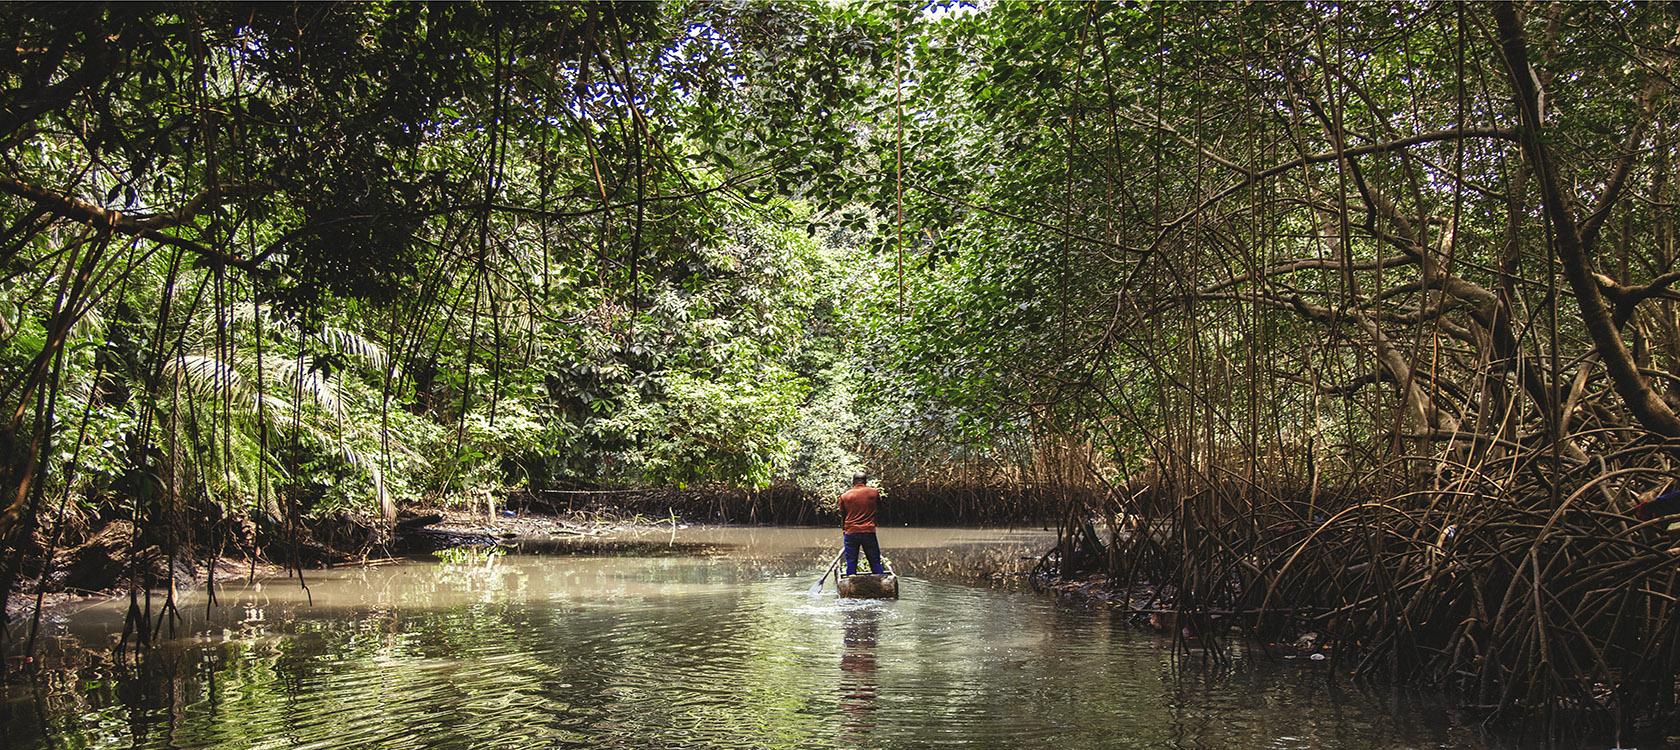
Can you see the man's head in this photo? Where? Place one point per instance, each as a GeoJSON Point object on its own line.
{"type": "Point", "coordinates": [859, 479]}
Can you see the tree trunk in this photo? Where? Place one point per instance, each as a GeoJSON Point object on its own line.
{"type": "Point", "coordinates": [1644, 403]}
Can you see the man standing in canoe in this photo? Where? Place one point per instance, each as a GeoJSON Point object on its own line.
{"type": "Point", "coordinates": [857, 523]}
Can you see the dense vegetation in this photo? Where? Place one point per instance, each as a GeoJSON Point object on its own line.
{"type": "Point", "coordinates": [285, 260]}
{"type": "Point", "coordinates": [1356, 313]}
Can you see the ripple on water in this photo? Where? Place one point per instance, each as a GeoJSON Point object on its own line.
{"type": "Point", "coordinates": [713, 645]}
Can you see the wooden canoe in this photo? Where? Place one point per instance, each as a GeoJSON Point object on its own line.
{"type": "Point", "coordinates": [869, 586]}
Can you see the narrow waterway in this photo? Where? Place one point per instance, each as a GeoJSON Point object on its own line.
{"type": "Point", "coordinates": [703, 638]}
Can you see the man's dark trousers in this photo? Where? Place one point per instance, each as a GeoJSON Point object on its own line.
{"type": "Point", "coordinates": [871, 548]}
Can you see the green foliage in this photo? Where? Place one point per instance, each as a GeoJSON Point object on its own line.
{"type": "Point", "coordinates": [723, 426]}
{"type": "Point", "coordinates": [391, 253]}
{"type": "Point", "coordinates": [385, 252]}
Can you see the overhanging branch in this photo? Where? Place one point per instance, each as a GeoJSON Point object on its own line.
{"type": "Point", "coordinates": [150, 227]}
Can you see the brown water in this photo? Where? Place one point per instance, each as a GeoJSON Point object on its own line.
{"type": "Point", "coordinates": [706, 639]}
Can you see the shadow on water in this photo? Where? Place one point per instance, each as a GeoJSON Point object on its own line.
{"type": "Point", "coordinates": [707, 639]}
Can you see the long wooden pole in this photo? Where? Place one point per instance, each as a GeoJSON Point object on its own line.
{"type": "Point", "coordinates": [816, 588]}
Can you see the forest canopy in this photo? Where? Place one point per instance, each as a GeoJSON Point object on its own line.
{"type": "Point", "coordinates": [364, 252]}
{"type": "Point", "coordinates": [384, 250]}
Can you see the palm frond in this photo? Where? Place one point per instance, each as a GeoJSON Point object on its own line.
{"type": "Point", "coordinates": [301, 374]}
{"type": "Point", "coordinates": [347, 342]}
{"type": "Point", "coordinates": [206, 376]}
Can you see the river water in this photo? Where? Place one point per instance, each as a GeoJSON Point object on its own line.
{"type": "Point", "coordinates": [701, 638]}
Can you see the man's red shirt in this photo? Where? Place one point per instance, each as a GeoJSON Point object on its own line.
{"type": "Point", "coordinates": [857, 510]}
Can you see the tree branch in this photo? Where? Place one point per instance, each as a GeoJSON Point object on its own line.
{"type": "Point", "coordinates": [149, 227]}
{"type": "Point", "coordinates": [1635, 391]}
{"type": "Point", "coordinates": [1326, 157]}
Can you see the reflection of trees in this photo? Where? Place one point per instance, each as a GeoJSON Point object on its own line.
{"type": "Point", "coordinates": [631, 652]}
{"type": "Point", "coordinates": [529, 647]}
{"type": "Point", "coordinates": [943, 554]}
{"type": "Point", "coordinates": [478, 571]}
{"type": "Point", "coordinates": [974, 562]}
{"type": "Point", "coordinates": [711, 669]}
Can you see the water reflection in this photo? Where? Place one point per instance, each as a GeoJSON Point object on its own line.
{"type": "Point", "coordinates": [705, 641]}
{"type": "Point", "coordinates": [860, 631]}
